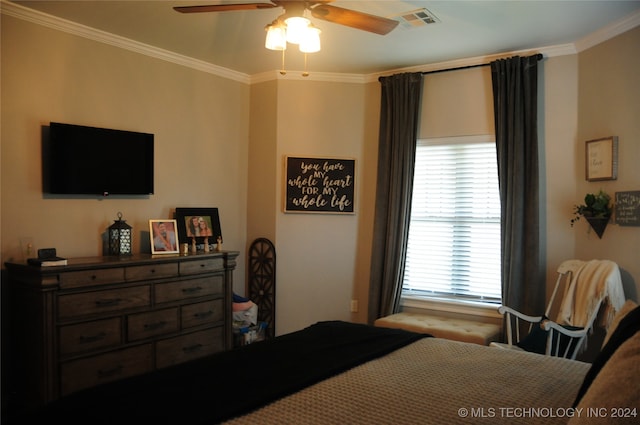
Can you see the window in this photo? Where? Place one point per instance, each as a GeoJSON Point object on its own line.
{"type": "Point", "coordinates": [454, 236]}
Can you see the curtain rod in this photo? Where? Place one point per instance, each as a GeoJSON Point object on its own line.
{"type": "Point", "coordinates": [455, 69]}
{"type": "Point", "coordinates": [537, 56]}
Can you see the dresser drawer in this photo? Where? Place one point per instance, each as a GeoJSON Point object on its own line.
{"type": "Point", "coordinates": [103, 319]}
{"type": "Point", "coordinates": [95, 302]}
{"type": "Point", "coordinates": [84, 373]}
{"type": "Point", "coordinates": [188, 347]}
{"type": "Point", "coordinates": [192, 288]}
{"type": "Point", "coordinates": [202, 313]}
{"type": "Point", "coordinates": [205, 265]}
{"type": "Point", "coordinates": [91, 277]}
{"type": "Point", "coordinates": [89, 336]}
{"type": "Point", "coordinates": [151, 272]}
{"type": "Point", "coordinates": [146, 325]}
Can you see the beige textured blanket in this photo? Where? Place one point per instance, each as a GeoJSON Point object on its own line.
{"type": "Point", "coordinates": [436, 381]}
{"type": "Point", "coordinates": [595, 282]}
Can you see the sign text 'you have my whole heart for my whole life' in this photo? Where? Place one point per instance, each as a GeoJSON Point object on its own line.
{"type": "Point", "coordinates": [320, 185]}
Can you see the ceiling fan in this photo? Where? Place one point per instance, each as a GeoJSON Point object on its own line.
{"type": "Point", "coordinates": [320, 9]}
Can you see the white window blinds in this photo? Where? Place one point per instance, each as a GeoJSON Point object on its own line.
{"type": "Point", "coordinates": [454, 235]}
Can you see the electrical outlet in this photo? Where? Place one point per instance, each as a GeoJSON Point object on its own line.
{"type": "Point", "coordinates": [354, 306]}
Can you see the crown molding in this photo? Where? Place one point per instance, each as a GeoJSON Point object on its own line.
{"type": "Point", "coordinates": [603, 34]}
{"type": "Point", "coordinates": [40, 18]}
{"type": "Point", "coordinates": [60, 24]}
{"type": "Point", "coordinates": [44, 19]}
{"type": "Point", "coordinates": [292, 75]}
{"type": "Point", "coordinates": [606, 33]}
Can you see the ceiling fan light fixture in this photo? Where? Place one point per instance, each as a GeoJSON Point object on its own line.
{"type": "Point", "coordinates": [310, 42]}
{"type": "Point", "coordinates": [296, 28]}
{"type": "Point", "coordinates": [276, 36]}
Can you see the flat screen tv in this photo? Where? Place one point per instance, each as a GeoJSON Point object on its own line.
{"type": "Point", "coordinates": [98, 161]}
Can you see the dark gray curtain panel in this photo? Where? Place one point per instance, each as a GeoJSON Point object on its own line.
{"type": "Point", "coordinates": [399, 116]}
{"type": "Point", "coordinates": [515, 88]}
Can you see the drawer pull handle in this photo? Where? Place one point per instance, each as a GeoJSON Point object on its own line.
{"type": "Point", "coordinates": [92, 338]}
{"type": "Point", "coordinates": [203, 314]}
{"type": "Point", "coordinates": [94, 277]}
{"type": "Point", "coordinates": [192, 290]}
{"type": "Point", "coordinates": [192, 348]}
{"type": "Point", "coordinates": [154, 326]}
{"type": "Point", "coordinates": [108, 373]}
{"type": "Point", "coordinates": [107, 302]}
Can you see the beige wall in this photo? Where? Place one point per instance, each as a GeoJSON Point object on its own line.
{"type": "Point", "coordinates": [457, 103]}
{"type": "Point", "coordinates": [317, 252]}
{"type": "Point", "coordinates": [609, 105]}
{"type": "Point", "coordinates": [221, 143]}
{"type": "Point", "coordinates": [200, 123]}
{"type": "Point", "coordinates": [558, 121]}
{"type": "Point", "coordinates": [300, 118]}
{"type": "Point", "coordinates": [263, 163]}
{"type": "Point", "coordinates": [368, 176]}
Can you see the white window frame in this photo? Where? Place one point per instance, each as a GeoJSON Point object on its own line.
{"type": "Point", "coordinates": [449, 302]}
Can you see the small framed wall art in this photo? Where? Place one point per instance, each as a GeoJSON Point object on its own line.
{"type": "Point", "coordinates": [601, 159]}
{"type": "Point", "coordinates": [628, 208]}
{"type": "Point", "coordinates": [164, 236]}
{"type": "Point", "coordinates": [198, 223]}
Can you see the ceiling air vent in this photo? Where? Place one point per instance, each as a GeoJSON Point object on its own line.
{"type": "Point", "coordinates": [416, 18]}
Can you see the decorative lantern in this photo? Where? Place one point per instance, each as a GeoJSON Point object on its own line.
{"type": "Point", "coordinates": [120, 237]}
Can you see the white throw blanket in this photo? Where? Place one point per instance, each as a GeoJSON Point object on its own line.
{"type": "Point", "coordinates": [596, 282]}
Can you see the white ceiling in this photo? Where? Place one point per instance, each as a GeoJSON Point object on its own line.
{"type": "Point", "coordinates": [467, 29]}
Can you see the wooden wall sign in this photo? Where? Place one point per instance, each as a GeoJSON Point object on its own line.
{"type": "Point", "coordinates": [628, 208]}
{"type": "Point", "coordinates": [319, 185]}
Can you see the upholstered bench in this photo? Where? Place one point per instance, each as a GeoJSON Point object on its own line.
{"type": "Point", "coordinates": [443, 327]}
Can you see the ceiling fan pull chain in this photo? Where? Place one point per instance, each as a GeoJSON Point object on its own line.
{"type": "Point", "coordinates": [305, 73]}
{"type": "Point", "coordinates": [283, 71]}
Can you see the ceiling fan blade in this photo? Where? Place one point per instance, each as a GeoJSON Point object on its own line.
{"type": "Point", "coordinates": [223, 7]}
{"type": "Point", "coordinates": [351, 18]}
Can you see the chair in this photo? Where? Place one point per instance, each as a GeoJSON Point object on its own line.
{"type": "Point", "coordinates": [587, 287]}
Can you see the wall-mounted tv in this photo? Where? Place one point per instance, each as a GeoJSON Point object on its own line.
{"type": "Point", "coordinates": [85, 160]}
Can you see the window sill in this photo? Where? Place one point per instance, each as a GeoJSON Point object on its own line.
{"type": "Point", "coordinates": [469, 308]}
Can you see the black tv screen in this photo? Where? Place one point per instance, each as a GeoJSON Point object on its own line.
{"type": "Point", "coordinates": [98, 161]}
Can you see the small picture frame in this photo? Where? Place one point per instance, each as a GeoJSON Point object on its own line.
{"type": "Point", "coordinates": [164, 236]}
{"type": "Point", "coordinates": [601, 159]}
{"type": "Point", "coordinates": [198, 223]}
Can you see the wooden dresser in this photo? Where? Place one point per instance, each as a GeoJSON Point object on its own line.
{"type": "Point", "coordinates": [102, 319]}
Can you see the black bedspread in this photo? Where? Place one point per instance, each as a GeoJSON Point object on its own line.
{"type": "Point", "coordinates": [228, 384]}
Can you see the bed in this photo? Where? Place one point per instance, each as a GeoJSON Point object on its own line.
{"type": "Point", "coordinates": [336, 372]}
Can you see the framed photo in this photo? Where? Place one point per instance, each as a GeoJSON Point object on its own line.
{"type": "Point", "coordinates": [601, 156]}
{"type": "Point", "coordinates": [199, 223]}
{"type": "Point", "coordinates": [164, 236]}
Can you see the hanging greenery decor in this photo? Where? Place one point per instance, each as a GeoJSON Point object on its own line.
{"type": "Point", "coordinates": [596, 210]}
